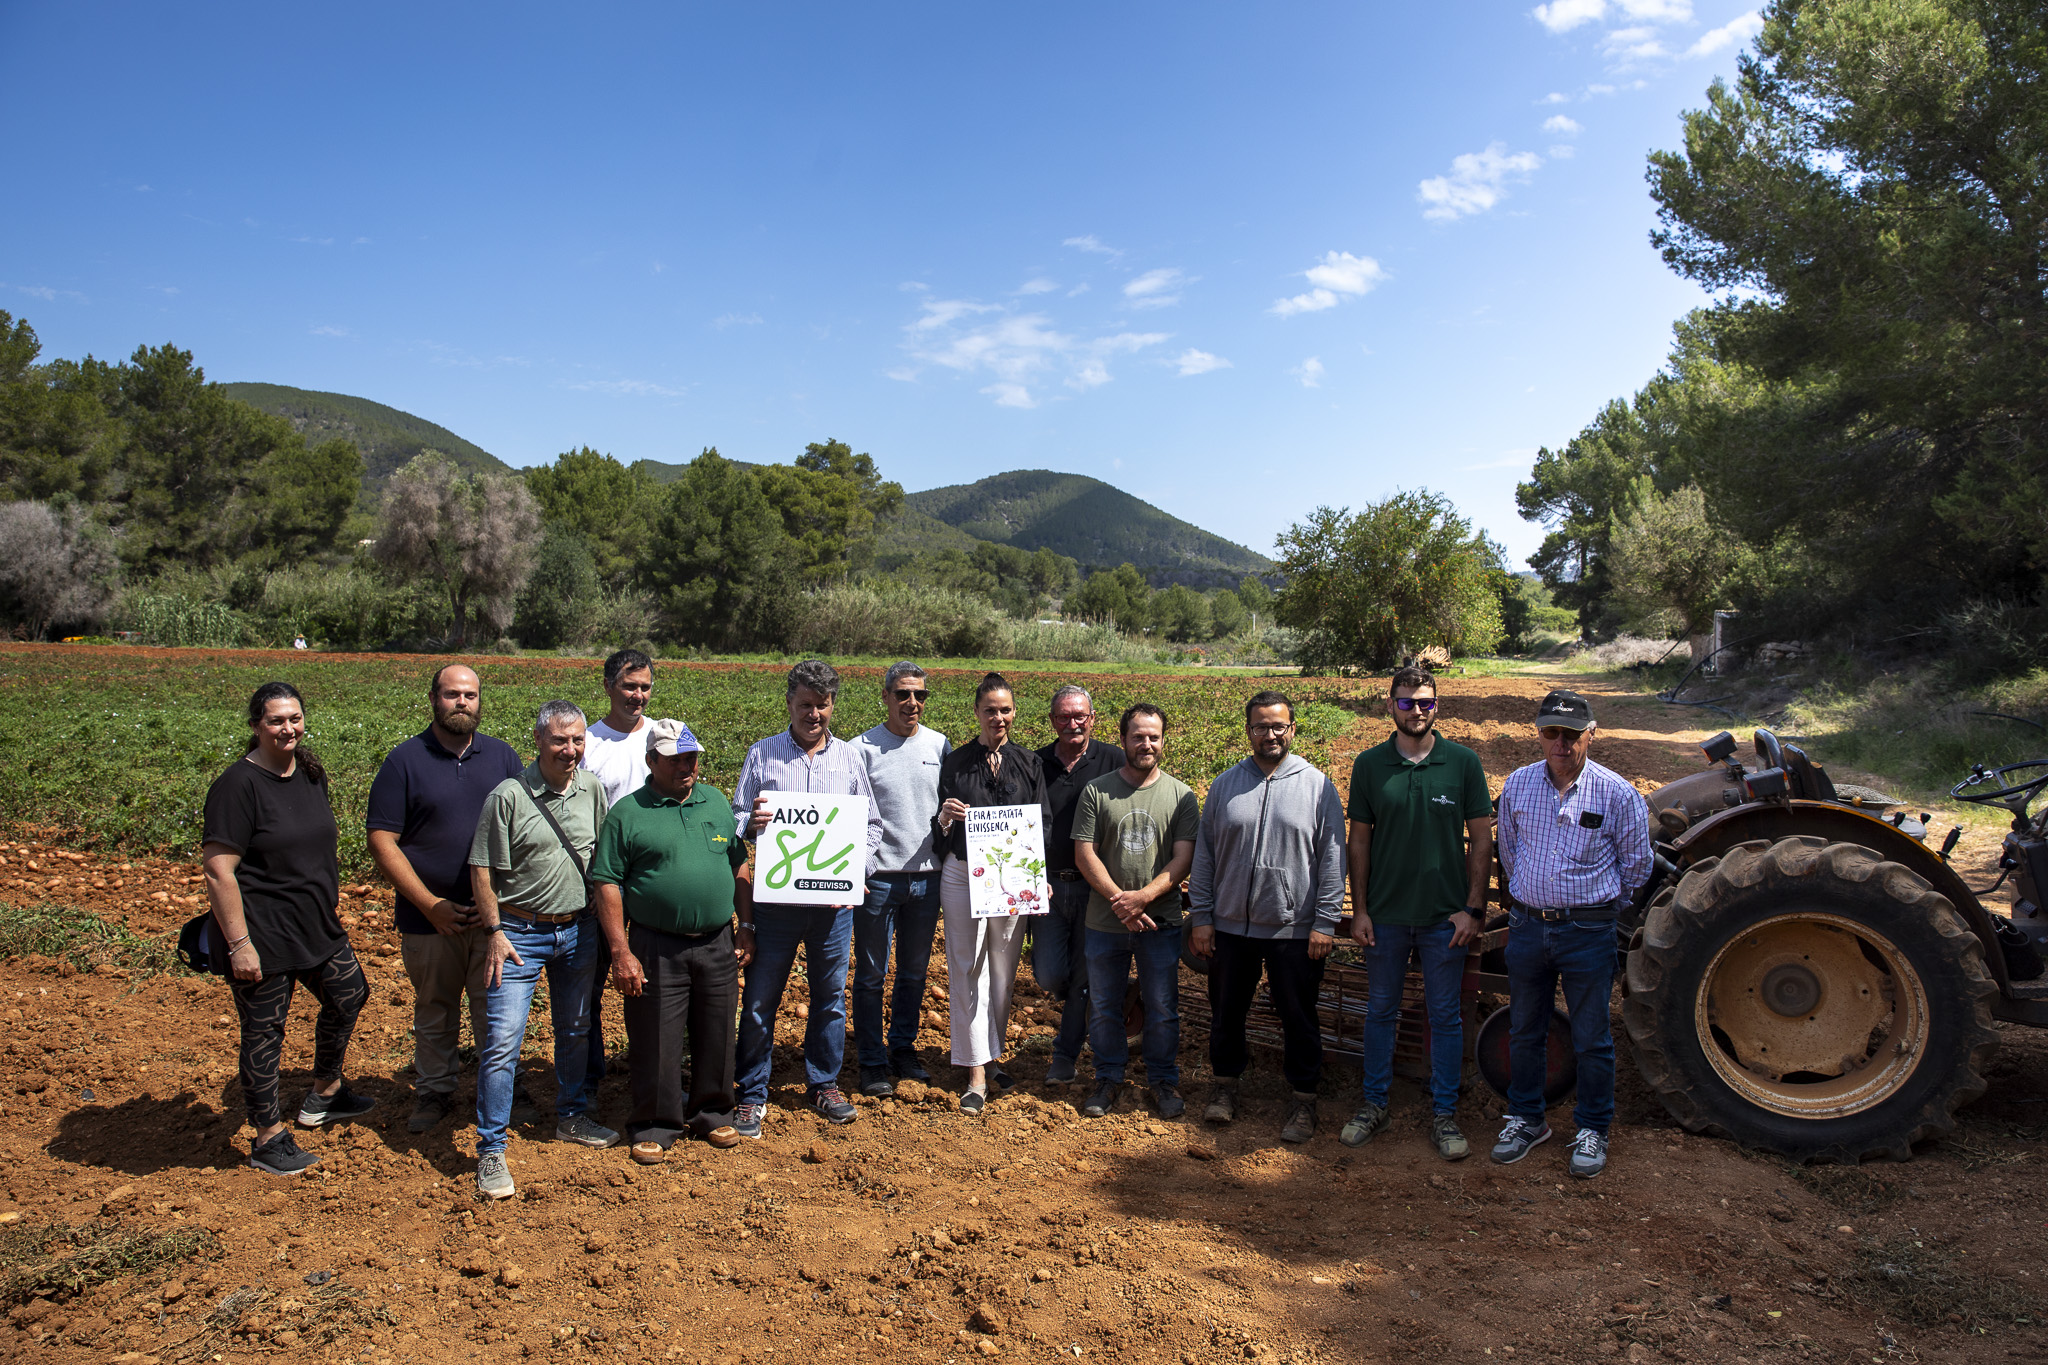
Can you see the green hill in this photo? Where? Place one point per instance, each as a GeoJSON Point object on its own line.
{"type": "Point", "coordinates": [1090, 521]}
{"type": "Point", "coordinates": [386, 436]}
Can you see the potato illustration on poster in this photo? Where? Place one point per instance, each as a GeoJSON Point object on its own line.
{"type": "Point", "coordinates": [1006, 861]}
{"type": "Point", "coordinates": [814, 851]}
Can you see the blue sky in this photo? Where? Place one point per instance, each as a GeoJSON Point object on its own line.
{"type": "Point", "coordinates": [1237, 259]}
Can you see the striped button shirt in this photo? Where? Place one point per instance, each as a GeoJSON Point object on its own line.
{"type": "Point", "coordinates": [1585, 845]}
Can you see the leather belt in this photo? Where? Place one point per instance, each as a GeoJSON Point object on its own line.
{"type": "Point", "coordinates": [530, 918]}
{"type": "Point", "coordinates": [1604, 911]}
{"type": "Point", "coordinates": [1067, 874]}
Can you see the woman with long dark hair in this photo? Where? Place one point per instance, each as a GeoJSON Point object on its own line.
{"type": "Point", "coordinates": [274, 878]}
{"type": "Point", "coordinates": [981, 954]}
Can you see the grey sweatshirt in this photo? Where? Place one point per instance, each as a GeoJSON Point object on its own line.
{"type": "Point", "coordinates": [1269, 856]}
{"type": "Point", "coordinates": [905, 776]}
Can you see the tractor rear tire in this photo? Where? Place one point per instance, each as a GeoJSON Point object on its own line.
{"type": "Point", "coordinates": [1863, 978]}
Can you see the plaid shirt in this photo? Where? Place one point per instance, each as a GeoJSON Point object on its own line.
{"type": "Point", "coordinates": [1586, 845]}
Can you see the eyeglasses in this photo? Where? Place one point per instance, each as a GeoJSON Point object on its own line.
{"type": "Point", "coordinates": [912, 693]}
{"type": "Point", "coordinates": [1415, 703]}
{"type": "Point", "coordinates": [1279, 728]}
{"type": "Point", "coordinates": [1552, 734]}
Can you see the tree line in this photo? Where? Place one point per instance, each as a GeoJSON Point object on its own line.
{"type": "Point", "coordinates": [1853, 439]}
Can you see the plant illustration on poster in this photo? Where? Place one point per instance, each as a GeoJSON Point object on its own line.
{"type": "Point", "coordinates": [814, 851]}
{"type": "Point", "coordinates": [1006, 861]}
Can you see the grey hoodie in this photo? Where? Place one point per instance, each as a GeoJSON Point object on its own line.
{"type": "Point", "coordinates": [1269, 857]}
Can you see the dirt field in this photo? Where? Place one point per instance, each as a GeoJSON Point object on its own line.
{"type": "Point", "coordinates": [920, 1235]}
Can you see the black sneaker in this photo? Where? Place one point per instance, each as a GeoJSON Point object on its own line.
{"type": "Point", "coordinates": [281, 1156]}
{"type": "Point", "coordinates": [874, 1080]}
{"type": "Point", "coordinates": [1060, 1070]}
{"type": "Point", "coordinates": [832, 1105]}
{"type": "Point", "coordinates": [1107, 1093]}
{"type": "Point", "coordinates": [344, 1104]}
{"type": "Point", "coordinates": [1168, 1099]}
{"type": "Point", "coordinates": [429, 1107]}
{"type": "Point", "coordinates": [906, 1063]}
{"type": "Point", "coordinates": [1517, 1138]}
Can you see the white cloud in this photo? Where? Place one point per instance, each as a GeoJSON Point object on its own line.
{"type": "Point", "coordinates": [1562, 16]}
{"type": "Point", "coordinates": [1637, 44]}
{"type": "Point", "coordinates": [1554, 97]}
{"type": "Point", "coordinates": [913, 287]}
{"type": "Point", "coordinates": [1041, 285]}
{"type": "Point", "coordinates": [331, 332]}
{"type": "Point", "coordinates": [1309, 372]}
{"type": "Point", "coordinates": [1476, 183]}
{"type": "Point", "coordinates": [1020, 352]}
{"type": "Point", "coordinates": [1562, 126]}
{"type": "Point", "coordinates": [1338, 274]}
{"type": "Point", "coordinates": [1192, 361]}
{"type": "Point", "coordinates": [1563, 151]}
{"type": "Point", "coordinates": [736, 320]}
{"type": "Point", "coordinates": [627, 388]}
{"type": "Point", "coordinates": [1091, 243]}
{"type": "Point", "coordinates": [314, 241]}
{"type": "Point", "coordinates": [1734, 33]}
{"type": "Point", "coordinates": [1154, 289]}
{"type": "Point", "coordinates": [1658, 11]}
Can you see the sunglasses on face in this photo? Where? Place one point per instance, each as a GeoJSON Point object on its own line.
{"type": "Point", "coordinates": [1558, 734]}
{"type": "Point", "coordinates": [912, 693]}
{"type": "Point", "coordinates": [1415, 703]}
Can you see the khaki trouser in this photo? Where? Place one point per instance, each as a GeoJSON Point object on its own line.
{"type": "Point", "coordinates": [442, 968]}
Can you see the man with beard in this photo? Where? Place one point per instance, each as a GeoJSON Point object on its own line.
{"type": "Point", "coordinates": [1265, 895]}
{"type": "Point", "coordinates": [1421, 854]}
{"type": "Point", "coordinates": [423, 811]}
{"type": "Point", "coordinates": [1134, 839]}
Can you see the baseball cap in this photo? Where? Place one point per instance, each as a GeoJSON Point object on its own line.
{"type": "Point", "coordinates": [1565, 709]}
{"type": "Point", "coordinates": [671, 737]}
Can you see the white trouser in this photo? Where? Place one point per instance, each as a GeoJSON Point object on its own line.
{"type": "Point", "coordinates": [981, 970]}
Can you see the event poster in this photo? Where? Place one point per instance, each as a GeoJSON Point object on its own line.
{"type": "Point", "coordinates": [814, 851]}
{"type": "Point", "coordinates": [1006, 861]}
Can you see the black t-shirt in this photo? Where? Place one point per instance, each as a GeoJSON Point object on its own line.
{"type": "Point", "coordinates": [289, 874]}
{"type": "Point", "coordinates": [1063, 794]}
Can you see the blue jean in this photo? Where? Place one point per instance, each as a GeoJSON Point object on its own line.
{"type": "Point", "coordinates": [1443, 977]}
{"type": "Point", "coordinates": [1059, 962]}
{"type": "Point", "coordinates": [826, 936]}
{"type": "Point", "coordinates": [903, 906]}
{"type": "Point", "coordinates": [1539, 956]}
{"type": "Point", "coordinates": [567, 953]}
{"type": "Point", "coordinates": [1157, 954]}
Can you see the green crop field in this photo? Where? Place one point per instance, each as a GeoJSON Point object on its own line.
{"type": "Point", "coordinates": [120, 744]}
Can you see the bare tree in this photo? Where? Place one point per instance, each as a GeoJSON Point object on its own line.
{"type": "Point", "coordinates": [474, 534]}
{"type": "Point", "coordinates": [56, 566]}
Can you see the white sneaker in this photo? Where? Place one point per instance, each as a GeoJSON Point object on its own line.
{"type": "Point", "coordinates": [493, 1180]}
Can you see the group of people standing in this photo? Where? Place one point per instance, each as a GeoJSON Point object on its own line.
{"type": "Point", "coordinates": [608, 859]}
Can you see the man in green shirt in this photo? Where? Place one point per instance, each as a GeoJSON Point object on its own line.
{"type": "Point", "coordinates": [1421, 854]}
{"type": "Point", "coordinates": [668, 884]}
{"type": "Point", "coordinates": [1134, 839]}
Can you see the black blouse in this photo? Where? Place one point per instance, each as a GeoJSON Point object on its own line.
{"type": "Point", "coordinates": [965, 774]}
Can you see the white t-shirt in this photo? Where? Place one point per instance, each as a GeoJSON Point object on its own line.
{"type": "Point", "coordinates": [618, 757]}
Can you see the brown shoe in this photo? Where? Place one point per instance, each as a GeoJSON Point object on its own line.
{"type": "Point", "coordinates": [1301, 1119]}
{"type": "Point", "coordinates": [649, 1153]}
{"type": "Point", "coordinates": [727, 1136]}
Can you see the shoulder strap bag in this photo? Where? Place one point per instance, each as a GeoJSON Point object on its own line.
{"type": "Point", "coordinates": [562, 834]}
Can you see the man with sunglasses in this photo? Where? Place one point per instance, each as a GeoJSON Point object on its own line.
{"type": "Point", "coordinates": [1421, 854]}
{"type": "Point", "coordinates": [1574, 847]}
{"type": "Point", "coordinates": [1059, 953]}
{"type": "Point", "coordinates": [902, 757]}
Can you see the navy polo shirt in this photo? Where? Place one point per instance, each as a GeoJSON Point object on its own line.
{"type": "Point", "coordinates": [431, 800]}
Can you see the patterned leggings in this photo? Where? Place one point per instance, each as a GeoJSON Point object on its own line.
{"type": "Point", "coordinates": [338, 985]}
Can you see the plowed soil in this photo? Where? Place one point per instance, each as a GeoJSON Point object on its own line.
{"type": "Point", "coordinates": [917, 1234]}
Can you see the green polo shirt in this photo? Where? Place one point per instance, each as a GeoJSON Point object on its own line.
{"type": "Point", "coordinates": [530, 871]}
{"type": "Point", "coordinates": [1417, 812]}
{"type": "Point", "coordinates": [673, 861]}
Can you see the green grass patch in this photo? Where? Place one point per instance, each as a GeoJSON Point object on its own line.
{"type": "Point", "coordinates": [83, 939]}
{"type": "Point", "coordinates": [126, 760]}
{"type": "Point", "coordinates": [59, 1262]}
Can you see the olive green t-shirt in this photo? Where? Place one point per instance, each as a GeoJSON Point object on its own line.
{"type": "Point", "coordinates": [1417, 812]}
{"type": "Point", "coordinates": [530, 871]}
{"type": "Point", "coordinates": [1134, 830]}
{"type": "Point", "coordinates": [671, 860]}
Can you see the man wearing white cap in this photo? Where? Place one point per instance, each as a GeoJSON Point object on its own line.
{"type": "Point", "coordinates": [666, 872]}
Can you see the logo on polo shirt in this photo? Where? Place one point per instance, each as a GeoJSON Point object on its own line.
{"type": "Point", "coordinates": [1442, 800]}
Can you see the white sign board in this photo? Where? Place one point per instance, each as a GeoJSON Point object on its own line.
{"type": "Point", "coordinates": [814, 851]}
{"type": "Point", "coordinates": [1006, 861]}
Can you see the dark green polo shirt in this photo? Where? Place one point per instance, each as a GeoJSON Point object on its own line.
{"type": "Point", "coordinates": [1417, 812]}
{"type": "Point", "coordinates": [672, 861]}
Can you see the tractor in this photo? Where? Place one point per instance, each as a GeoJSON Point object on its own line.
{"type": "Point", "coordinates": [1804, 975]}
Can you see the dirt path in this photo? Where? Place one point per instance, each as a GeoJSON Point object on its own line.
{"type": "Point", "coordinates": [917, 1235]}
